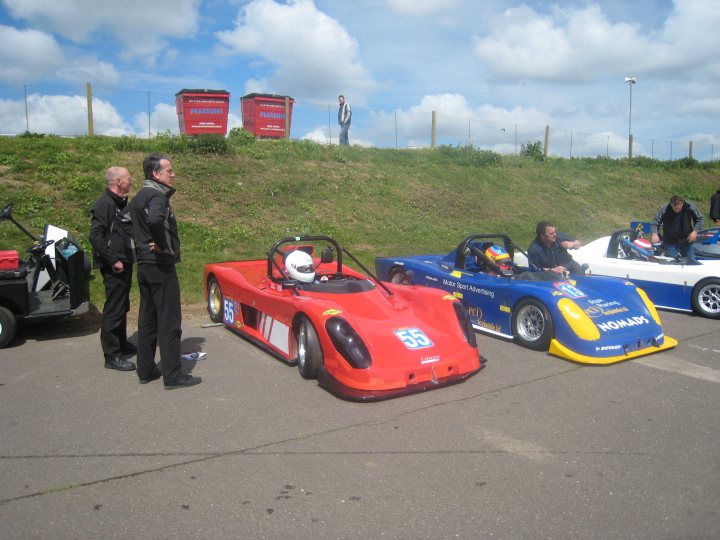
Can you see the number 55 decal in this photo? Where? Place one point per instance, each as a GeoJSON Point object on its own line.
{"type": "Point", "coordinates": [413, 338]}
{"type": "Point", "coordinates": [229, 311]}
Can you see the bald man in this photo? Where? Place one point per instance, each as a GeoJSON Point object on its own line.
{"type": "Point", "coordinates": [113, 254]}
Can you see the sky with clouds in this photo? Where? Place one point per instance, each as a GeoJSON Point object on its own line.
{"type": "Point", "coordinates": [489, 69]}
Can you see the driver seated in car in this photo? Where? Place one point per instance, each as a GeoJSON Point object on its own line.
{"type": "Point", "coordinates": [299, 266]}
{"type": "Point", "coordinates": [497, 255]}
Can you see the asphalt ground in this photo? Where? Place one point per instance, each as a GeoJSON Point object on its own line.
{"type": "Point", "coordinates": [531, 447]}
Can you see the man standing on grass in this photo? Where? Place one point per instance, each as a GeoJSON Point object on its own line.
{"type": "Point", "coordinates": [157, 244]}
{"type": "Point", "coordinates": [344, 118]}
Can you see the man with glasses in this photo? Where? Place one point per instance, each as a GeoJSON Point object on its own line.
{"type": "Point", "coordinates": [157, 245]}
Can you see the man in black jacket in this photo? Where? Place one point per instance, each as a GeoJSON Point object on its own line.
{"type": "Point", "coordinates": [680, 222]}
{"type": "Point", "coordinates": [111, 239]}
{"type": "Point", "coordinates": [715, 207]}
{"type": "Point", "coordinates": [157, 247]}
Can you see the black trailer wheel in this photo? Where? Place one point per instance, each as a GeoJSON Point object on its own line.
{"type": "Point", "coordinates": [532, 325]}
{"type": "Point", "coordinates": [215, 300]}
{"type": "Point", "coordinates": [309, 353]}
{"type": "Point", "coordinates": [706, 298]}
{"type": "Point", "coordinates": [8, 326]}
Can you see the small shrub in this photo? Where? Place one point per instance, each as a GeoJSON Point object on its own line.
{"type": "Point", "coordinates": [533, 151]}
{"type": "Point", "coordinates": [240, 137]}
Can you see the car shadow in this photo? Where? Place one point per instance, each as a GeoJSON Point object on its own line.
{"type": "Point", "coordinates": [48, 329]}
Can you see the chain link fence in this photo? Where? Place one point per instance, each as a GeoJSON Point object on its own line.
{"type": "Point", "coordinates": [69, 111]}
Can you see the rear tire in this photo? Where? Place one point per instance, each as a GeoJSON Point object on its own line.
{"type": "Point", "coordinates": [8, 326]}
{"type": "Point", "coordinates": [706, 298]}
{"type": "Point", "coordinates": [532, 325]}
{"type": "Point", "coordinates": [215, 300]}
{"type": "Point", "coordinates": [309, 352]}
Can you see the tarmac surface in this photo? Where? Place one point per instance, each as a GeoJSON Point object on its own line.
{"type": "Point", "coordinates": [531, 447]}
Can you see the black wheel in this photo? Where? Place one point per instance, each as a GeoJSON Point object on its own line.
{"type": "Point", "coordinates": [215, 300]}
{"type": "Point", "coordinates": [309, 353]}
{"type": "Point", "coordinates": [532, 325]}
{"type": "Point", "coordinates": [400, 276]}
{"type": "Point", "coordinates": [706, 298]}
{"type": "Point", "coordinates": [8, 326]}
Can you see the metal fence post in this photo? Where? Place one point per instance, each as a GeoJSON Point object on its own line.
{"type": "Point", "coordinates": [91, 130]}
{"type": "Point", "coordinates": [27, 119]}
{"type": "Point", "coordinates": [287, 117]}
{"type": "Point", "coordinates": [433, 133]}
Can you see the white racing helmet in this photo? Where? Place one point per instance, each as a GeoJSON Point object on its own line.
{"type": "Point", "coordinates": [299, 265]}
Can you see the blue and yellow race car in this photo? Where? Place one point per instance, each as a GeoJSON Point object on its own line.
{"type": "Point", "coordinates": [586, 319]}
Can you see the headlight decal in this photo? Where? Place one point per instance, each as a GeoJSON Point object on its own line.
{"type": "Point", "coordinates": [649, 305]}
{"type": "Point", "coordinates": [348, 343]}
{"type": "Point", "coordinates": [578, 320]}
{"type": "Point", "coordinates": [465, 324]}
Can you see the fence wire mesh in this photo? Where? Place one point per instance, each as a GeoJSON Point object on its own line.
{"type": "Point", "coordinates": [66, 110]}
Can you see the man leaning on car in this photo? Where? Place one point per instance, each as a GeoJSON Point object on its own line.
{"type": "Point", "coordinates": [680, 222]}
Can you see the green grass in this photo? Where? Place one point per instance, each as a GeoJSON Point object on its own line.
{"type": "Point", "coordinates": [237, 196]}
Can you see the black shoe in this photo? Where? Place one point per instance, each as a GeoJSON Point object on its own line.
{"type": "Point", "coordinates": [119, 364]}
{"type": "Point", "coordinates": [154, 376]}
{"type": "Point", "coordinates": [181, 382]}
{"type": "Point", "coordinates": [128, 348]}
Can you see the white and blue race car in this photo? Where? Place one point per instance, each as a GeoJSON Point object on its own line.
{"type": "Point", "coordinates": [670, 282]}
{"type": "Point", "coordinates": [586, 319]}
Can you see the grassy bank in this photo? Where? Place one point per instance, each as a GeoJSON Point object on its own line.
{"type": "Point", "coordinates": [237, 196]}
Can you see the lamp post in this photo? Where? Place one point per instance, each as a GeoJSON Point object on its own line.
{"type": "Point", "coordinates": [630, 81]}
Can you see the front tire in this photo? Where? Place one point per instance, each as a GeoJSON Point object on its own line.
{"type": "Point", "coordinates": [706, 298]}
{"type": "Point", "coordinates": [532, 325]}
{"type": "Point", "coordinates": [8, 326]}
{"type": "Point", "coordinates": [399, 276]}
{"type": "Point", "coordinates": [215, 300]}
{"type": "Point", "coordinates": [309, 352]}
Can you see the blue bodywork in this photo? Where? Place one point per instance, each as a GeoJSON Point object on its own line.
{"type": "Point", "coordinates": [593, 319]}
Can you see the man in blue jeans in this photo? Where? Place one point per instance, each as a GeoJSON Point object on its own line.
{"type": "Point", "coordinates": [157, 246]}
{"type": "Point", "coordinates": [679, 222]}
{"type": "Point", "coordinates": [344, 118]}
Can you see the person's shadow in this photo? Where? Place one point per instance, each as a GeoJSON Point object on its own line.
{"type": "Point", "coordinates": [188, 345]}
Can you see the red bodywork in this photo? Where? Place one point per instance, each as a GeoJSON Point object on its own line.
{"type": "Point", "coordinates": [413, 336]}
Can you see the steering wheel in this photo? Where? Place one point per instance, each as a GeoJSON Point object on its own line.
{"type": "Point", "coordinates": [6, 212]}
{"type": "Point", "coordinates": [37, 249]}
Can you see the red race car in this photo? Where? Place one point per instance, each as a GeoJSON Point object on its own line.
{"type": "Point", "coordinates": [362, 339]}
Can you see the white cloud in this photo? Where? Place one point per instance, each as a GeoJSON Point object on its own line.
{"type": "Point", "coordinates": [164, 119]}
{"type": "Point", "coordinates": [567, 45]}
{"type": "Point", "coordinates": [60, 115]}
{"type": "Point", "coordinates": [89, 69]}
{"type": "Point", "coordinates": [308, 52]}
{"type": "Point", "coordinates": [27, 55]}
{"type": "Point", "coordinates": [574, 45]}
{"type": "Point", "coordinates": [139, 26]}
{"type": "Point", "coordinates": [421, 8]}
{"type": "Point", "coordinates": [318, 135]}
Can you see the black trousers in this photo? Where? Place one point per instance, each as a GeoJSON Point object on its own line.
{"type": "Point", "coordinates": [113, 331]}
{"type": "Point", "coordinates": [159, 320]}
